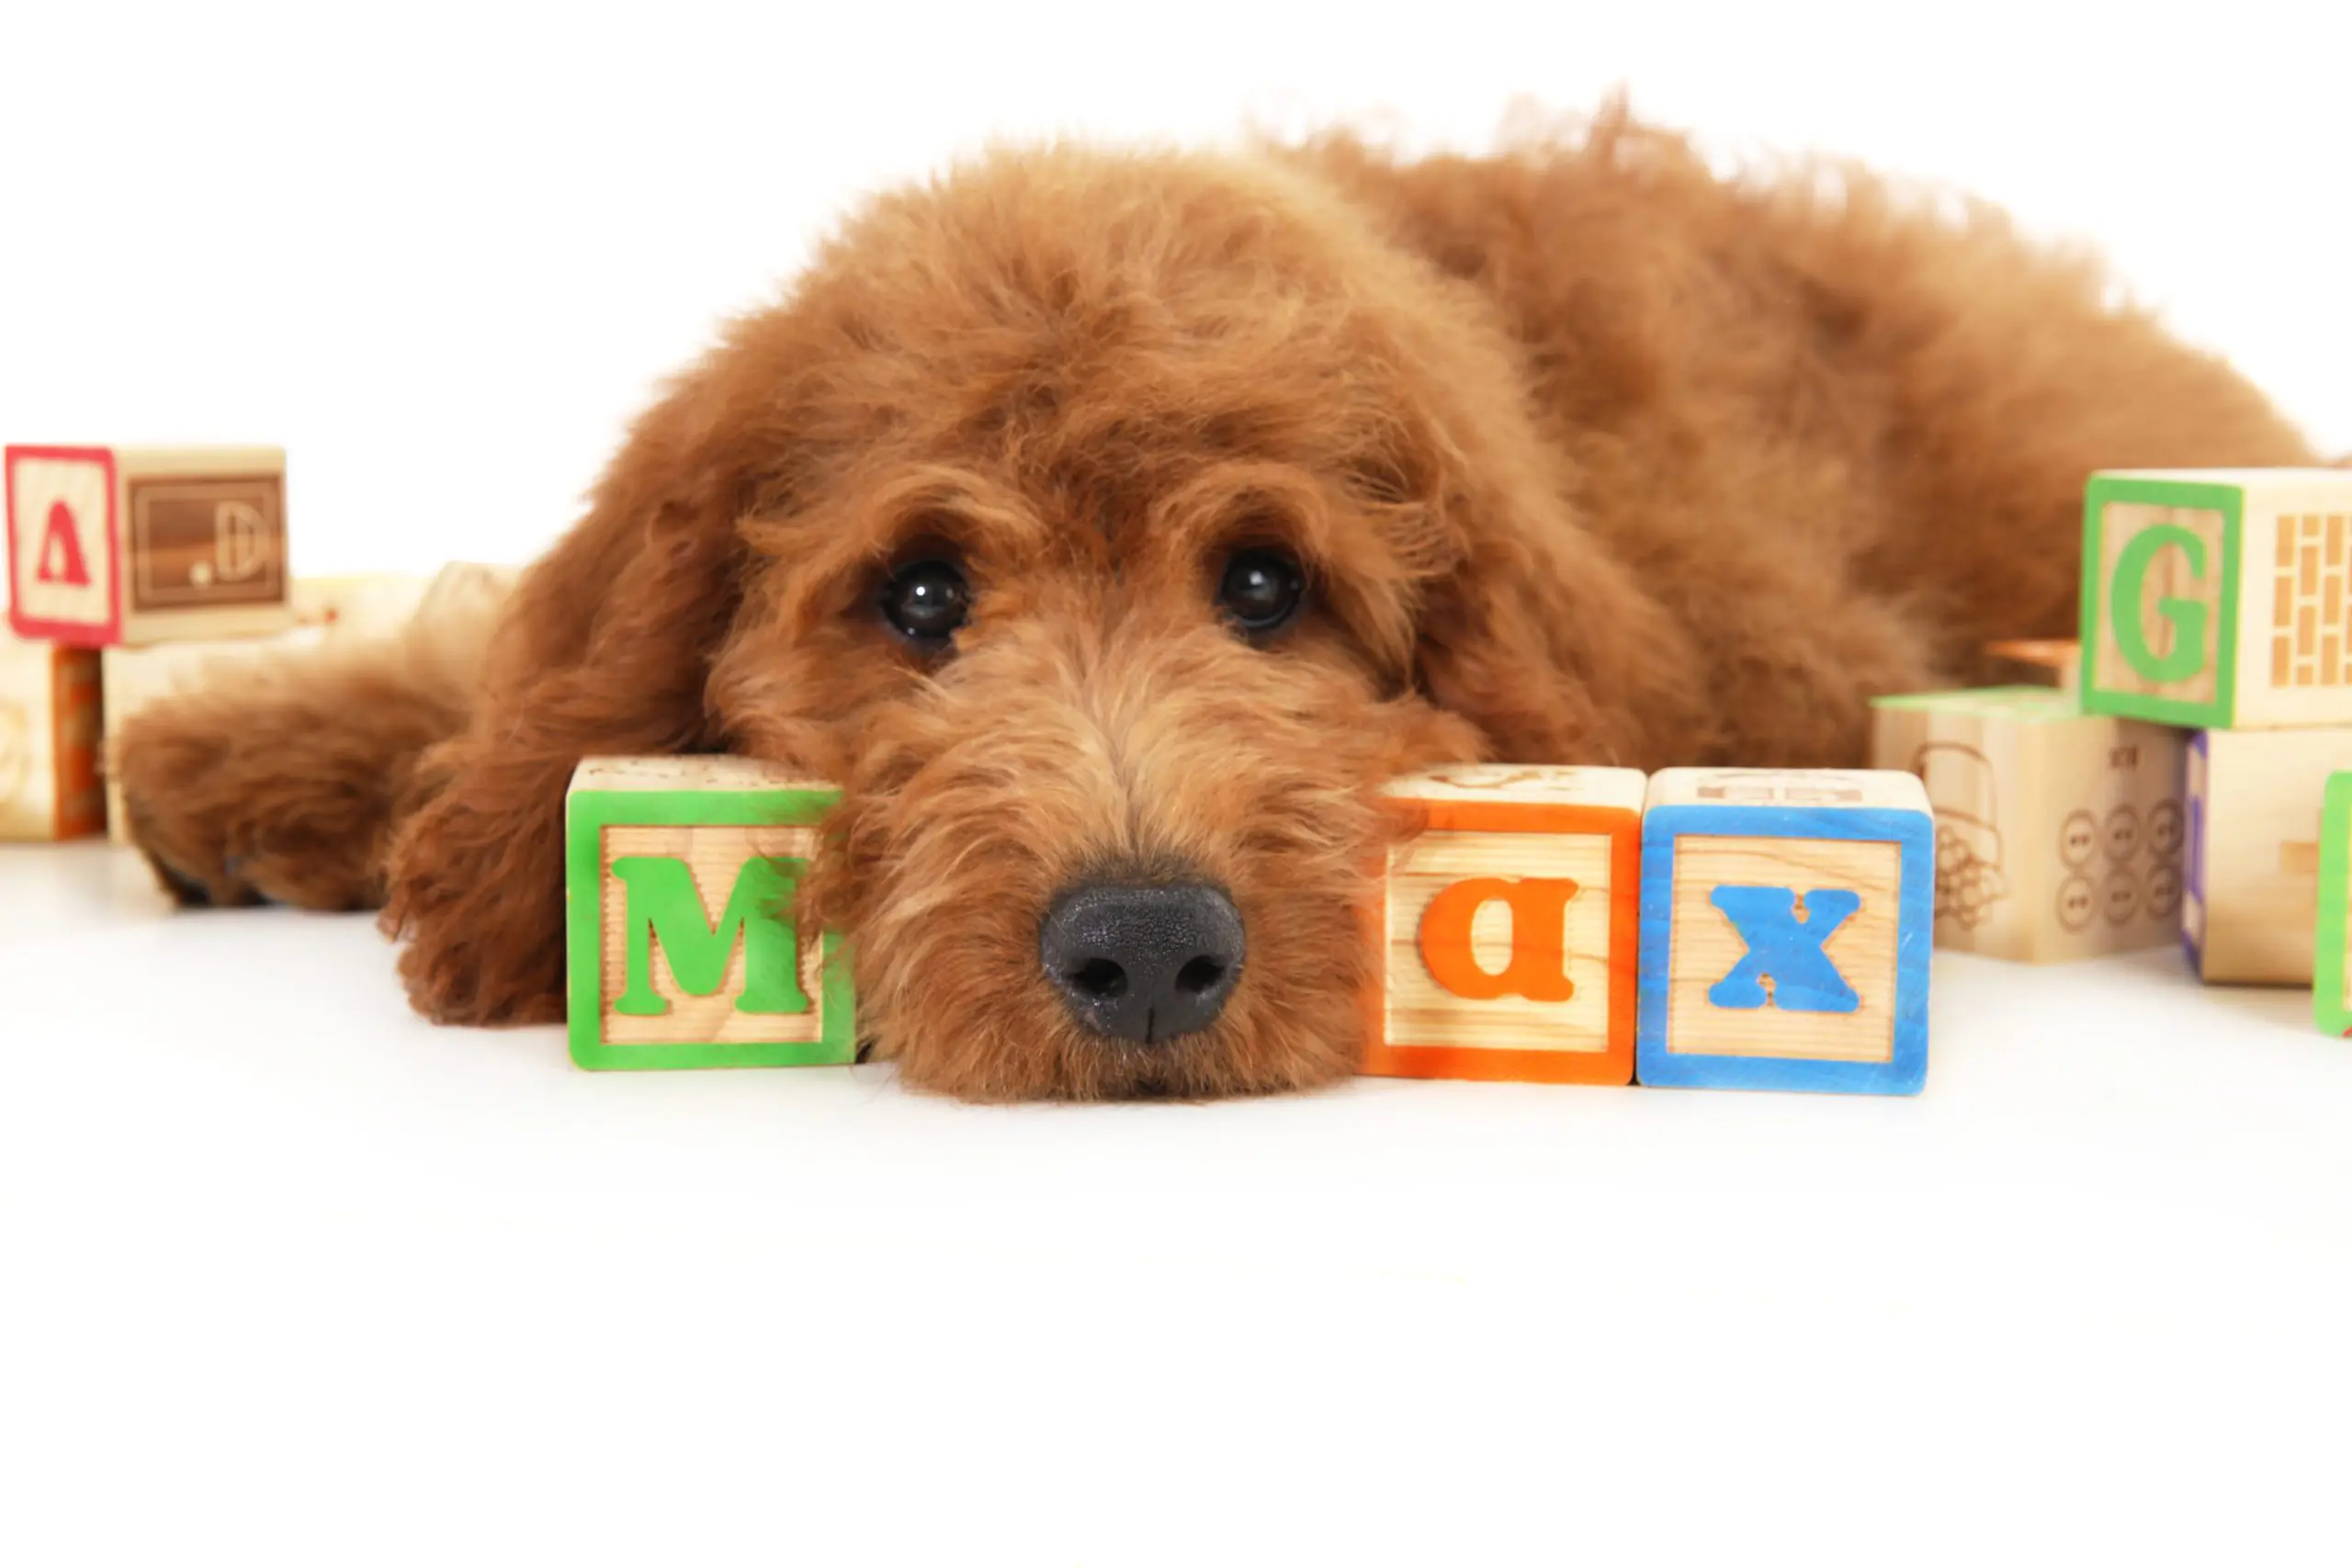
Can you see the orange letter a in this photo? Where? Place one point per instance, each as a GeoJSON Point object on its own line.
{"type": "Point", "coordinates": [61, 550]}
{"type": "Point", "coordinates": [1538, 969]}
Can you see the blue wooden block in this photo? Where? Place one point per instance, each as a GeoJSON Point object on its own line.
{"type": "Point", "coordinates": [1786, 922]}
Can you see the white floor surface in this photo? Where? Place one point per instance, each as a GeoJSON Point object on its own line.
{"type": "Point", "coordinates": [285, 1270]}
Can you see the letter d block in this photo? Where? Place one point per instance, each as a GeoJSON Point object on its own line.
{"type": "Point", "coordinates": [680, 877]}
{"type": "Point", "coordinates": [1786, 922]}
{"type": "Point", "coordinates": [1506, 926]}
{"type": "Point", "coordinates": [132, 546]}
{"type": "Point", "coordinates": [2219, 599]}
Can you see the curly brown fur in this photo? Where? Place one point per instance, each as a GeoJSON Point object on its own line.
{"type": "Point", "coordinates": [1593, 456]}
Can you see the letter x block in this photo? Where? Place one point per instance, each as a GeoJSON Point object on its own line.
{"type": "Point", "coordinates": [680, 879]}
{"type": "Point", "coordinates": [1786, 922]}
{"type": "Point", "coordinates": [2219, 599]}
{"type": "Point", "coordinates": [1506, 930]}
{"type": "Point", "coordinates": [135, 546]}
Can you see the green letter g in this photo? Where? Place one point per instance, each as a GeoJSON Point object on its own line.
{"type": "Point", "coordinates": [2186, 615]}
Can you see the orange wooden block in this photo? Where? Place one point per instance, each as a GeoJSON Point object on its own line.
{"type": "Point", "coordinates": [48, 741]}
{"type": "Point", "coordinates": [1506, 928]}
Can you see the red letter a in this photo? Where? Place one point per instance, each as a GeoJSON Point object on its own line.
{"type": "Point", "coordinates": [61, 550]}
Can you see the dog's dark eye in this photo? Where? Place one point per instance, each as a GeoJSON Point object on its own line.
{"type": "Point", "coordinates": [1262, 590]}
{"type": "Point", "coordinates": [926, 600]}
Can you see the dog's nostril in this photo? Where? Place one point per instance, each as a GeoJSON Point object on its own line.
{"type": "Point", "coordinates": [1100, 977]}
{"type": "Point", "coordinates": [1146, 965]}
{"type": "Point", "coordinates": [1201, 975]}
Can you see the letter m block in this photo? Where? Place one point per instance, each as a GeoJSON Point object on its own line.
{"type": "Point", "coordinates": [2219, 599]}
{"type": "Point", "coordinates": [1784, 941]}
{"type": "Point", "coordinates": [1505, 930]}
{"type": "Point", "coordinates": [681, 875]}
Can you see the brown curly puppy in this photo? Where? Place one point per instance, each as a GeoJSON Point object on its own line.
{"type": "Point", "coordinates": [1112, 524]}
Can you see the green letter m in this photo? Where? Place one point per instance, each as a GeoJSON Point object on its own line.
{"type": "Point", "coordinates": [663, 903]}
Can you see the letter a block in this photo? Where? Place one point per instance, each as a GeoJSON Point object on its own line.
{"type": "Point", "coordinates": [680, 879]}
{"type": "Point", "coordinates": [1786, 922]}
{"type": "Point", "coordinates": [2219, 599]}
{"type": "Point", "coordinates": [135, 546]}
{"type": "Point", "coordinates": [1506, 930]}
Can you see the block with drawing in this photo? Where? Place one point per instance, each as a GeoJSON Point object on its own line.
{"type": "Point", "coordinates": [141, 544]}
{"type": "Point", "coordinates": [1786, 921]}
{"type": "Point", "coordinates": [1505, 931]}
{"type": "Point", "coordinates": [2332, 953]}
{"type": "Point", "coordinates": [2219, 599]}
{"type": "Point", "coordinates": [680, 877]}
{"type": "Point", "coordinates": [50, 730]}
{"type": "Point", "coordinates": [2059, 834]}
{"type": "Point", "coordinates": [2250, 902]}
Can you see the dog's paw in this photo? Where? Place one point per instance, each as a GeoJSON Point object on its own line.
{"type": "Point", "coordinates": [477, 901]}
{"type": "Point", "coordinates": [227, 814]}
{"type": "Point", "coordinates": [177, 810]}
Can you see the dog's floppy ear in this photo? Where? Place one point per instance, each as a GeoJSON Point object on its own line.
{"type": "Point", "coordinates": [605, 647]}
{"type": "Point", "coordinates": [609, 639]}
{"type": "Point", "coordinates": [1533, 629]}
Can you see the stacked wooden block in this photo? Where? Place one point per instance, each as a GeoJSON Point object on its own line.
{"type": "Point", "coordinates": [155, 550]}
{"type": "Point", "coordinates": [136, 571]}
{"type": "Point", "coordinates": [2177, 791]}
{"type": "Point", "coordinates": [1734, 929]}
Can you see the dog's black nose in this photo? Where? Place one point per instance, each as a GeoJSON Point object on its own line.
{"type": "Point", "coordinates": [1143, 963]}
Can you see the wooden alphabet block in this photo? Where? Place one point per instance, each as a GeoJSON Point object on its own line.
{"type": "Point", "coordinates": [2331, 957]}
{"type": "Point", "coordinates": [2039, 661]}
{"type": "Point", "coordinates": [2252, 899]}
{"type": "Point", "coordinates": [2059, 834]}
{"type": "Point", "coordinates": [134, 546]}
{"type": "Point", "coordinates": [1506, 926]}
{"type": "Point", "coordinates": [2219, 599]}
{"type": "Point", "coordinates": [371, 603]}
{"type": "Point", "coordinates": [1786, 921]}
{"type": "Point", "coordinates": [48, 741]}
{"type": "Point", "coordinates": [679, 875]}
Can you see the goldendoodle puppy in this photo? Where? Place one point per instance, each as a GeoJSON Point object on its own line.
{"type": "Point", "coordinates": [1113, 524]}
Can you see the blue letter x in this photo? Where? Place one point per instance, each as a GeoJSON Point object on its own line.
{"type": "Point", "coordinates": [1787, 949]}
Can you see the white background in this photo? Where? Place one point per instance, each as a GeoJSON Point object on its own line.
{"type": "Point", "coordinates": [442, 252]}
{"type": "Point", "coordinates": [284, 1271]}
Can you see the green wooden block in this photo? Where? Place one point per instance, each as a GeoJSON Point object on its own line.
{"type": "Point", "coordinates": [680, 874]}
{"type": "Point", "coordinates": [2219, 599]}
{"type": "Point", "coordinates": [2331, 972]}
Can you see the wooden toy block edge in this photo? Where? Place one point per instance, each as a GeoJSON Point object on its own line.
{"type": "Point", "coordinates": [1913, 833]}
{"type": "Point", "coordinates": [1872, 789]}
{"type": "Point", "coordinates": [1613, 1064]}
{"type": "Point", "coordinates": [607, 792]}
{"type": "Point", "coordinates": [53, 690]}
{"type": "Point", "coordinates": [2257, 836]}
{"type": "Point", "coordinates": [2330, 1007]}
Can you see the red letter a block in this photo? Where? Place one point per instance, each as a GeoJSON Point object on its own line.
{"type": "Point", "coordinates": [1507, 924]}
{"type": "Point", "coordinates": [61, 544]}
